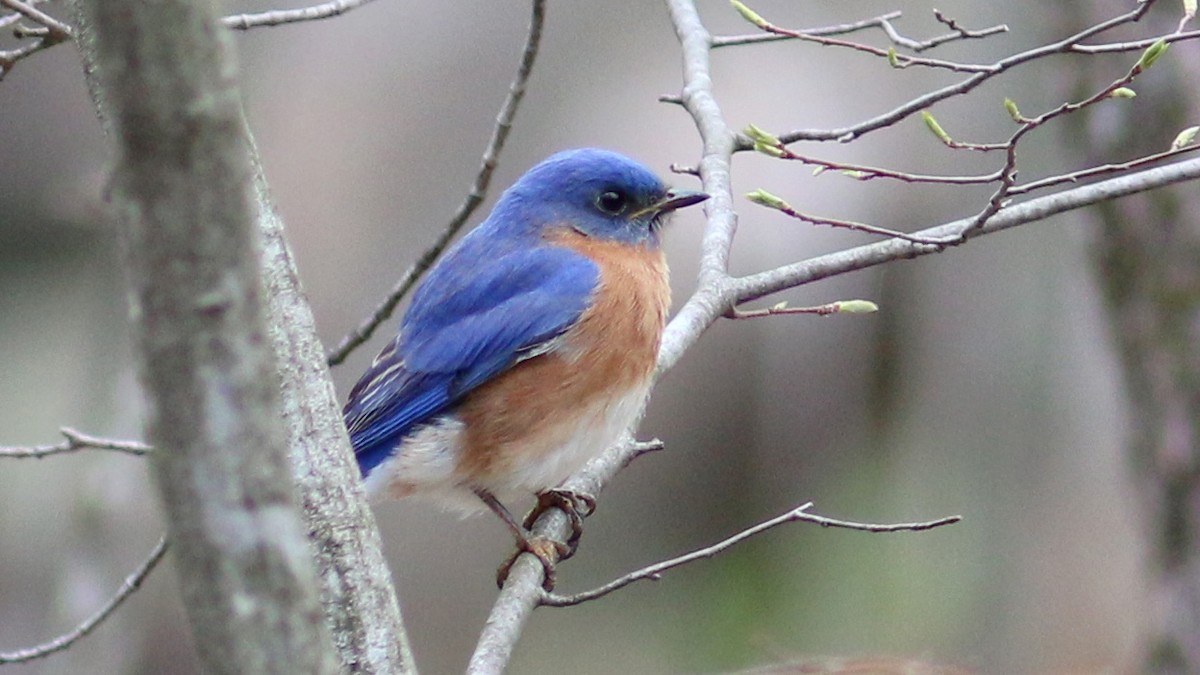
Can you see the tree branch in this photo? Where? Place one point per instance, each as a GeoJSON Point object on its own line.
{"type": "Point", "coordinates": [800, 513]}
{"type": "Point", "coordinates": [182, 185]}
{"type": "Point", "coordinates": [75, 441]}
{"type": "Point", "coordinates": [1066, 45]}
{"type": "Point", "coordinates": [761, 284]}
{"type": "Point", "coordinates": [131, 584]}
{"type": "Point", "coordinates": [357, 592]}
{"type": "Point", "coordinates": [280, 17]}
{"type": "Point", "coordinates": [718, 293]}
{"type": "Point", "coordinates": [51, 32]}
{"type": "Point", "coordinates": [491, 158]}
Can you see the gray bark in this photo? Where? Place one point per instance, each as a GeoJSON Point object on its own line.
{"type": "Point", "coordinates": [182, 186]}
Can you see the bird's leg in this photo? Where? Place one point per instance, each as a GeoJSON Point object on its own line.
{"type": "Point", "coordinates": [577, 506]}
{"type": "Point", "coordinates": [546, 550]}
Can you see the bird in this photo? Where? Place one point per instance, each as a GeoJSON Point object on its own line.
{"type": "Point", "coordinates": [527, 349]}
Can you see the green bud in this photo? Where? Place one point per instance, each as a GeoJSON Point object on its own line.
{"type": "Point", "coordinates": [1122, 92]}
{"type": "Point", "coordinates": [1152, 54]}
{"type": "Point", "coordinates": [779, 306]}
{"type": "Point", "coordinates": [771, 150]}
{"type": "Point", "coordinates": [936, 128]}
{"type": "Point", "coordinates": [1185, 138]}
{"type": "Point", "coordinates": [817, 171]}
{"type": "Point", "coordinates": [749, 14]}
{"type": "Point", "coordinates": [856, 307]}
{"type": "Point", "coordinates": [893, 58]}
{"type": "Point", "coordinates": [1014, 112]}
{"type": "Point", "coordinates": [760, 136]}
{"type": "Point", "coordinates": [856, 175]}
{"type": "Point", "coordinates": [764, 198]}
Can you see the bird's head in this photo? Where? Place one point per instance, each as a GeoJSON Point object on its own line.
{"type": "Point", "coordinates": [598, 193]}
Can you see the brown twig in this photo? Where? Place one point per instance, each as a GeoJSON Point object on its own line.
{"type": "Point", "coordinates": [128, 588]}
{"type": "Point", "coordinates": [491, 157]}
{"type": "Point", "coordinates": [800, 513]}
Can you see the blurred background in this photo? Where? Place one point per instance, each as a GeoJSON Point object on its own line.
{"type": "Point", "coordinates": [986, 386]}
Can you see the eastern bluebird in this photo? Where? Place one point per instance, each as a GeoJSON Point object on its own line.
{"type": "Point", "coordinates": [530, 345]}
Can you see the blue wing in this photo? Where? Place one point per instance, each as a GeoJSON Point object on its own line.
{"type": "Point", "coordinates": [470, 321]}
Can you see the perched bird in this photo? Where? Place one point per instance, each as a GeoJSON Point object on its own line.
{"type": "Point", "coordinates": [530, 345]}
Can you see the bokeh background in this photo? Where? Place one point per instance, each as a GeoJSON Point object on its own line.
{"type": "Point", "coordinates": [986, 386]}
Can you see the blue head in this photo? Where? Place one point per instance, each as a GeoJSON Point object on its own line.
{"type": "Point", "coordinates": [598, 193]}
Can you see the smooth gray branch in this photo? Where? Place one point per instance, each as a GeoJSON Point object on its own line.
{"type": "Point", "coordinates": [800, 513]}
{"type": "Point", "coordinates": [839, 29]}
{"type": "Point", "coordinates": [128, 588]}
{"type": "Point", "coordinates": [280, 17]}
{"type": "Point", "coordinates": [755, 286]}
{"type": "Point", "coordinates": [75, 441]}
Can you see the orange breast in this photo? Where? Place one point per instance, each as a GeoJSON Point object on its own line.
{"type": "Point", "coordinates": [531, 411]}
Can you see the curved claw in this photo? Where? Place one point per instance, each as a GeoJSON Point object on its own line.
{"type": "Point", "coordinates": [546, 550]}
{"type": "Point", "coordinates": [577, 506]}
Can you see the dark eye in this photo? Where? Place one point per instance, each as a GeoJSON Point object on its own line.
{"type": "Point", "coordinates": [611, 202]}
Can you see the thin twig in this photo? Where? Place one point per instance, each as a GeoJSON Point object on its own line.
{"type": "Point", "coordinates": [781, 309]}
{"type": "Point", "coordinates": [280, 17]}
{"type": "Point", "coordinates": [800, 513]}
{"type": "Point", "coordinates": [923, 102]}
{"type": "Point", "coordinates": [866, 173]}
{"type": "Point", "coordinates": [856, 226]}
{"type": "Point", "coordinates": [1133, 45]}
{"type": "Point", "coordinates": [1102, 170]}
{"type": "Point", "coordinates": [761, 284]}
{"type": "Point", "coordinates": [75, 440]}
{"type": "Point", "coordinates": [640, 448]}
{"type": "Point", "coordinates": [59, 31]}
{"type": "Point", "coordinates": [130, 585]}
{"type": "Point", "coordinates": [840, 29]}
{"type": "Point", "coordinates": [50, 32]}
{"type": "Point", "coordinates": [491, 157]}
{"type": "Point", "coordinates": [896, 59]}
{"type": "Point", "coordinates": [1008, 172]}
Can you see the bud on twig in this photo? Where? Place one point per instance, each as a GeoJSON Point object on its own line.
{"type": "Point", "coordinates": [1185, 138]}
{"type": "Point", "coordinates": [856, 307]}
{"type": "Point", "coordinates": [764, 198]}
{"type": "Point", "coordinates": [759, 135]}
{"type": "Point", "coordinates": [749, 14]}
{"type": "Point", "coordinates": [1010, 106]}
{"type": "Point", "coordinates": [936, 128]}
{"type": "Point", "coordinates": [1152, 54]}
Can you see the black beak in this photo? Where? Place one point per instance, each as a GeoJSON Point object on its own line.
{"type": "Point", "coordinates": [674, 199]}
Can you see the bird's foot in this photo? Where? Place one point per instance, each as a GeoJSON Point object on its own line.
{"type": "Point", "coordinates": [577, 506]}
{"type": "Point", "coordinates": [548, 552]}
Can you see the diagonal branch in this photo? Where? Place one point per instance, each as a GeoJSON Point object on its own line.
{"type": "Point", "coordinates": [491, 158]}
{"type": "Point", "coordinates": [131, 584]}
{"type": "Point", "coordinates": [800, 513]}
